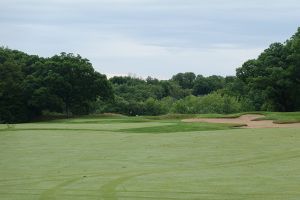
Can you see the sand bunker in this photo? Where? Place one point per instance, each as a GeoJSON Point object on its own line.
{"type": "Point", "coordinates": [247, 120]}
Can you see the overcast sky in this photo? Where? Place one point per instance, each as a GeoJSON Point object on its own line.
{"type": "Point", "coordinates": [150, 37]}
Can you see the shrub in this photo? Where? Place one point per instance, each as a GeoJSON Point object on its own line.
{"type": "Point", "coordinates": [212, 103]}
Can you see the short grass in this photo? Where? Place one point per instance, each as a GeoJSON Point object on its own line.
{"type": "Point", "coordinates": [286, 117]}
{"type": "Point", "coordinates": [180, 127]}
{"type": "Point", "coordinates": [278, 117]}
{"type": "Point", "coordinates": [99, 158]}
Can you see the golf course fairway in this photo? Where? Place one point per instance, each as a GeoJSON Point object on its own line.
{"type": "Point", "coordinates": [126, 158]}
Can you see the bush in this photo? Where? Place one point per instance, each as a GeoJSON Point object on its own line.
{"type": "Point", "coordinates": [154, 107]}
{"type": "Point", "coordinates": [212, 103]}
{"type": "Point", "coordinates": [215, 102]}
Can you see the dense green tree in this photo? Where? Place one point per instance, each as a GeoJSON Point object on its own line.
{"type": "Point", "coordinates": [73, 79]}
{"type": "Point", "coordinates": [67, 83]}
{"type": "Point", "coordinates": [12, 108]}
{"type": "Point", "coordinates": [211, 103]}
{"type": "Point", "coordinates": [154, 107]}
{"type": "Point", "coordinates": [205, 85]}
{"type": "Point", "coordinates": [272, 80]}
{"type": "Point", "coordinates": [30, 85]}
{"type": "Point", "coordinates": [185, 80]}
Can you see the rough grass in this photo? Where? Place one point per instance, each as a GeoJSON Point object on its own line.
{"type": "Point", "coordinates": [76, 161]}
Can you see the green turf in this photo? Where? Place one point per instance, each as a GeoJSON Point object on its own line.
{"type": "Point", "coordinates": [100, 160]}
{"type": "Point", "coordinates": [287, 117]}
{"type": "Point", "coordinates": [278, 117]}
{"type": "Point", "coordinates": [100, 121]}
{"type": "Point", "coordinates": [179, 127]}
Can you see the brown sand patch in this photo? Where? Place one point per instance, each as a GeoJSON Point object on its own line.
{"type": "Point", "coordinates": [247, 120]}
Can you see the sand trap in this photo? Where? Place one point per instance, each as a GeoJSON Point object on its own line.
{"type": "Point", "coordinates": [246, 120]}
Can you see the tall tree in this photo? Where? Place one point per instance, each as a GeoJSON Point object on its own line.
{"type": "Point", "coordinates": [30, 85]}
{"type": "Point", "coordinates": [73, 79]}
{"type": "Point", "coordinates": [273, 78]}
{"type": "Point", "coordinates": [12, 108]}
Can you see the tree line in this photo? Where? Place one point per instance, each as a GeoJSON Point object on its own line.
{"type": "Point", "coordinates": [31, 86]}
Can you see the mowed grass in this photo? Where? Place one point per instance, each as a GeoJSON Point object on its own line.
{"type": "Point", "coordinates": [278, 117]}
{"type": "Point", "coordinates": [180, 127]}
{"type": "Point", "coordinates": [138, 158]}
{"type": "Point", "coordinates": [287, 117]}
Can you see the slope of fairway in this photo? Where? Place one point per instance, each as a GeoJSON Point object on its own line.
{"type": "Point", "coordinates": [100, 161]}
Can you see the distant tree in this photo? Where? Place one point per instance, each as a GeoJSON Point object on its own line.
{"type": "Point", "coordinates": [152, 81]}
{"type": "Point", "coordinates": [206, 85]}
{"type": "Point", "coordinates": [185, 80]}
{"type": "Point", "coordinates": [174, 90]}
